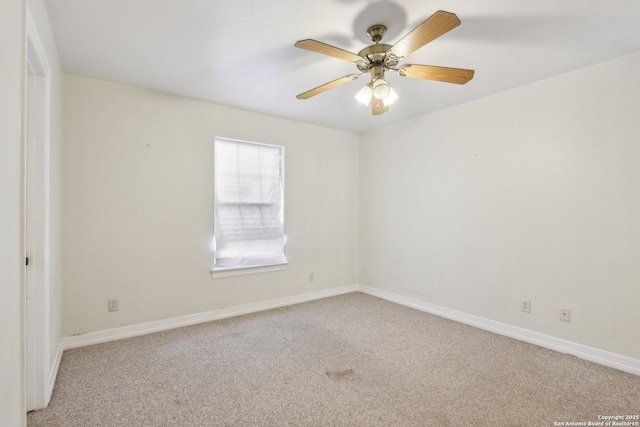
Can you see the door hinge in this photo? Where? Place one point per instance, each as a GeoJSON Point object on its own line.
{"type": "Point", "coordinates": [27, 262]}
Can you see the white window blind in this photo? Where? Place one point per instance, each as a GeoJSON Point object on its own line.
{"type": "Point", "coordinates": [248, 204]}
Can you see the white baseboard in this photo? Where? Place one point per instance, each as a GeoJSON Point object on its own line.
{"type": "Point", "coordinates": [114, 334]}
{"type": "Point", "coordinates": [591, 354]}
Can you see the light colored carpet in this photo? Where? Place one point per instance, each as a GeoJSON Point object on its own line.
{"type": "Point", "coordinates": [352, 360]}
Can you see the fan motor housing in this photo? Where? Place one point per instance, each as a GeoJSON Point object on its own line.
{"type": "Point", "coordinates": [375, 52]}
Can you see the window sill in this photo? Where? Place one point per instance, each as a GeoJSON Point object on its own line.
{"type": "Point", "coordinates": [241, 271]}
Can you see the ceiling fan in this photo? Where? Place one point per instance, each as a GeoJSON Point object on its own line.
{"type": "Point", "coordinates": [379, 58]}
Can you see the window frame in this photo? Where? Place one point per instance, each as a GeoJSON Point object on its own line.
{"type": "Point", "coordinates": [251, 269]}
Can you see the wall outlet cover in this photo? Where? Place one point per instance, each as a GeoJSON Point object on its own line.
{"type": "Point", "coordinates": [114, 305]}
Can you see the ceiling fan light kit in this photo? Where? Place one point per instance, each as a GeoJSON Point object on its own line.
{"type": "Point", "coordinates": [379, 58]}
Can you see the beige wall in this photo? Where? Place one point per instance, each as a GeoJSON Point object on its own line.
{"type": "Point", "coordinates": [138, 205]}
{"type": "Point", "coordinates": [526, 195]}
{"type": "Point", "coordinates": [12, 403]}
{"type": "Point", "coordinates": [530, 194]}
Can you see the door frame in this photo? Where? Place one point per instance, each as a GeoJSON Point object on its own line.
{"type": "Point", "coordinates": [36, 211]}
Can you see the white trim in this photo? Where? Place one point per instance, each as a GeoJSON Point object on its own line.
{"type": "Point", "coordinates": [224, 138]}
{"type": "Point", "coordinates": [54, 373]}
{"type": "Point", "coordinates": [602, 357]}
{"type": "Point", "coordinates": [108, 335]}
{"type": "Point", "coordinates": [37, 310]}
{"type": "Point", "coordinates": [253, 269]}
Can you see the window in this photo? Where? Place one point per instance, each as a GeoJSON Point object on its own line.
{"type": "Point", "coordinates": [248, 205]}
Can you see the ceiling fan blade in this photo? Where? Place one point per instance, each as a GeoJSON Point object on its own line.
{"type": "Point", "coordinates": [337, 82]}
{"type": "Point", "coordinates": [378, 107]}
{"type": "Point", "coordinates": [325, 49]}
{"type": "Point", "coordinates": [442, 74]}
{"type": "Point", "coordinates": [436, 25]}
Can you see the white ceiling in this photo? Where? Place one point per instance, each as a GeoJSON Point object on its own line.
{"type": "Point", "coordinates": [240, 53]}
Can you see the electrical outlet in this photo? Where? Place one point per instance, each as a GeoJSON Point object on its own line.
{"type": "Point", "coordinates": [525, 306]}
{"type": "Point", "coordinates": [565, 314]}
{"type": "Point", "coordinates": [312, 277]}
{"type": "Point", "coordinates": [114, 305]}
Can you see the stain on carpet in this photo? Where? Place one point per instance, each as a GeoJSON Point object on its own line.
{"type": "Point", "coordinates": [339, 374]}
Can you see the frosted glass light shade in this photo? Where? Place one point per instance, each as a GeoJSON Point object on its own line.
{"type": "Point", "coordinates": [364, 96]}
{"type": "Point", "coordinates": [391, 98]}
{"type": "Point", "coordinates": [381, 89]}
